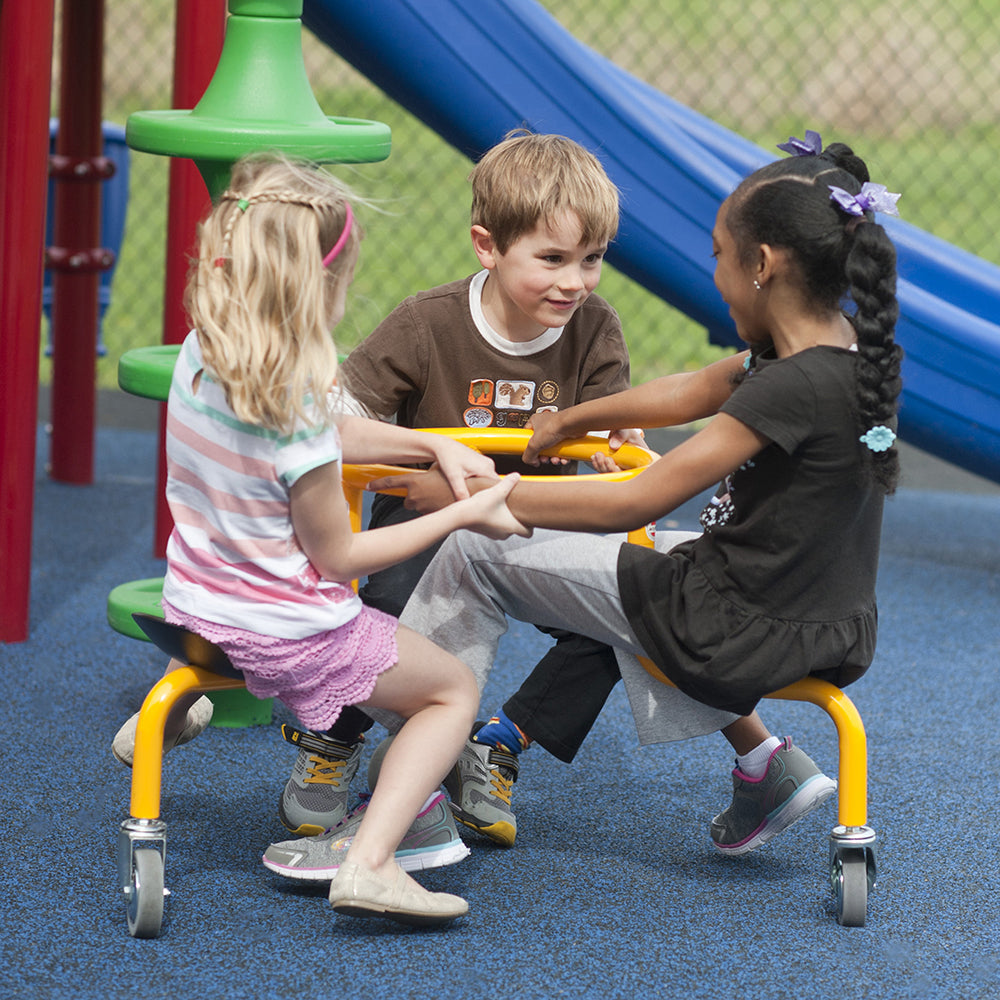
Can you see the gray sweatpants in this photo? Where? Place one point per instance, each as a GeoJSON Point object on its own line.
{"type": "Point", "coordinates": [565, 580]}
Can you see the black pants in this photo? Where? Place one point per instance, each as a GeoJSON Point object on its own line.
{"type": "Point", "coordinates": [559, 701]}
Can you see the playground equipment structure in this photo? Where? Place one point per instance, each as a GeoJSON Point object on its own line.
{"type": "Point", "coordinates": [474, 72]}
{"type": "Point", "coordinates": [227, 122]}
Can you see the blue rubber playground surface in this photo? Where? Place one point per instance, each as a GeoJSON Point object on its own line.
{"type": "Point", "coordinates": [612, 889]}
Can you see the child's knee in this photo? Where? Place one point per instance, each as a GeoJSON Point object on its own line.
{"type": "Point", "coordinates": [464, 693]}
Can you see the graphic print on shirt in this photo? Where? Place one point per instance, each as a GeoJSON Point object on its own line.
{"type": "Point", "coordinates": [478, 416]}
{"type": "Point", "coordinates": [512, 395]}
{"type": "Point", "coordinates": [481, 392]}
{"type": "Point", "coordinates": [548, 393]}
{"type": "Point", "coordinates": [720, 509]}
{"type": "Point", "coordinates": [507, 402]}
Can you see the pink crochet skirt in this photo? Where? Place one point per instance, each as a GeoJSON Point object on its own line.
{"type": "Point", "coordinates": [316, 676]}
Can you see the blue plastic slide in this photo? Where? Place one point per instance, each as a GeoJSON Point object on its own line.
{"type": "Point", "coordinates": [473, 71]}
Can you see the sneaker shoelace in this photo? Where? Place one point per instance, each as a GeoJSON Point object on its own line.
{"type": "Point", "coordinates": [503, 774]}
{"type": "Point", "coordinates": [324, 772]}
{"type": "Point", "coordinates": [502, 787]}
{"type": "Point", "coordinates": [329, 833]}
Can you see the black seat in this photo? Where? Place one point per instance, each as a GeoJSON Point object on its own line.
{"type": "Point", "coordinates": [182, 644]}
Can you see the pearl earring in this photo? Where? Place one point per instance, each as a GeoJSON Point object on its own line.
{"type": "Point", "coordinates": [756, 284]}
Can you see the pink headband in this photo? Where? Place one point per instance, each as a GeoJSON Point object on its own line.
{"type": "Point", "coordinates": [342, 238]}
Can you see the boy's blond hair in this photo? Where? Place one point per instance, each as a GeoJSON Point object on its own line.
{"type": "Point", "coordinates": [530, 178]}
{"type": "Point", "coordinates": [258, 294]}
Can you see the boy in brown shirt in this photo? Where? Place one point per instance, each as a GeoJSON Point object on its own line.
{"type": "Point", "coordinates": [525, 333]}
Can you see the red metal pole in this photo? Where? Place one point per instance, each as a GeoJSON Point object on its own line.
{"type": "Point", "coordinates": [26, 31]}
{"type": "Point", "coordinates": [199, 32]}
{"type": "Point", "coordinates": [76, 259]}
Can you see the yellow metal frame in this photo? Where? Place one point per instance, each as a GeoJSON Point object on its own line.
{"type": "Point", "coordinates": [147, 762]}
{"type": "Point", "coordinates": [853, 766]}
{"type": "Point", "coordinates": [497, 441]}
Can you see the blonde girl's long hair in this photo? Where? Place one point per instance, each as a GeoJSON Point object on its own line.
{"type": "Point", "coordinates": [259, 297]}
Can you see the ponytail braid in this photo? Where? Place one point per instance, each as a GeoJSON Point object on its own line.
{"type": "Point", "coordinates": [321, 204]}
{"type": "Point", "coordinates": [260, 296]}
{"type": "Point", "coordinates": [871, 273]}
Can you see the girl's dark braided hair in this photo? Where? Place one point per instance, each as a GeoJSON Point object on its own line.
{"type": "Point", "coordinates": [841, 259]}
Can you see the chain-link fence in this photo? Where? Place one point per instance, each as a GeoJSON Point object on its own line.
{"type": "Point", "coordinates": [912, 84]}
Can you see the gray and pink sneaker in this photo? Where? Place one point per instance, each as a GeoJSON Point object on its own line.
{"type": "Point", "coordinates": [791, 787]}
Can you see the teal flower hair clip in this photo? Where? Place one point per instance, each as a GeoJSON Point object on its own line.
{"type": "Point", "coordinates": [879, 438]}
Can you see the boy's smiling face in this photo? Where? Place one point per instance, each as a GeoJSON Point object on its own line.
{"type": "Point", "coordinates": [542, 279]}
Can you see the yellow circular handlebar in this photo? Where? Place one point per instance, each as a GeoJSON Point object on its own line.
{"type": "Point", "coordinates": [497, 441]}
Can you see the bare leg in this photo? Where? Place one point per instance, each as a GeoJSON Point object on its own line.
{"type": "Point", "coordinates": [437, 695]}
{"type": "Point", "coordinates": [746, 733]}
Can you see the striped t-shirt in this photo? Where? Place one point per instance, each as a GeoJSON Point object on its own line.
{"type": "Point", "coordinates": [233, 557]}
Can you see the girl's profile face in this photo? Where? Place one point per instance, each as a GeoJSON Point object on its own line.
{"type": "Point", "coordinates": [734, 281]}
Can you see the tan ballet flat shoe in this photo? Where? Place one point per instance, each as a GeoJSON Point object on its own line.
{"type": "Point", "coordinates": [361, 893]}
{"type": "Point", "coordinates": [198, 717]}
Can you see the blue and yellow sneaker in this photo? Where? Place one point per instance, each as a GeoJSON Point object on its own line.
{"type": "Point", "coordinates": [480, 786]}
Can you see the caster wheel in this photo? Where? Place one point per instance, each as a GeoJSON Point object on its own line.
{"type": "Point", "coordinates": [145, 895]}
{"type": "Point", "coordinates": [850, 885]}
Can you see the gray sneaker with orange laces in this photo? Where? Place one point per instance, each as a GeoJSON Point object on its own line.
{"type": "Point", "coordinates": [480, 786]}
{"type": "Point", "coordinates": [317, 794]}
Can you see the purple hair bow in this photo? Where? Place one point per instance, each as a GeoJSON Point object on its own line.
{"type": "Point", "coordinates": [811, 145]}
{"type": "Point", "coordinates": [871, 198]}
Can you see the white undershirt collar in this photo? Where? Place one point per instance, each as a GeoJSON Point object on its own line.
{"type": "Point", "coordinates": [502, 344]}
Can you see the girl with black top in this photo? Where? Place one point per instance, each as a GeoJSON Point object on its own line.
{"type": "Point", "coordinates": [780, 584]}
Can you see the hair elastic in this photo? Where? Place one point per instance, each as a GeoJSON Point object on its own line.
{"type": "Point", "coordinates": [871, 198]}
{"type": "Point", "coordinates": [342, 238]}
{"type": "Point", "coordinates": [811, 145]}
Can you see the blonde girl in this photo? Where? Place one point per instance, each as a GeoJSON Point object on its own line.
{"type": "Point", "coordinates": [262, 555]}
